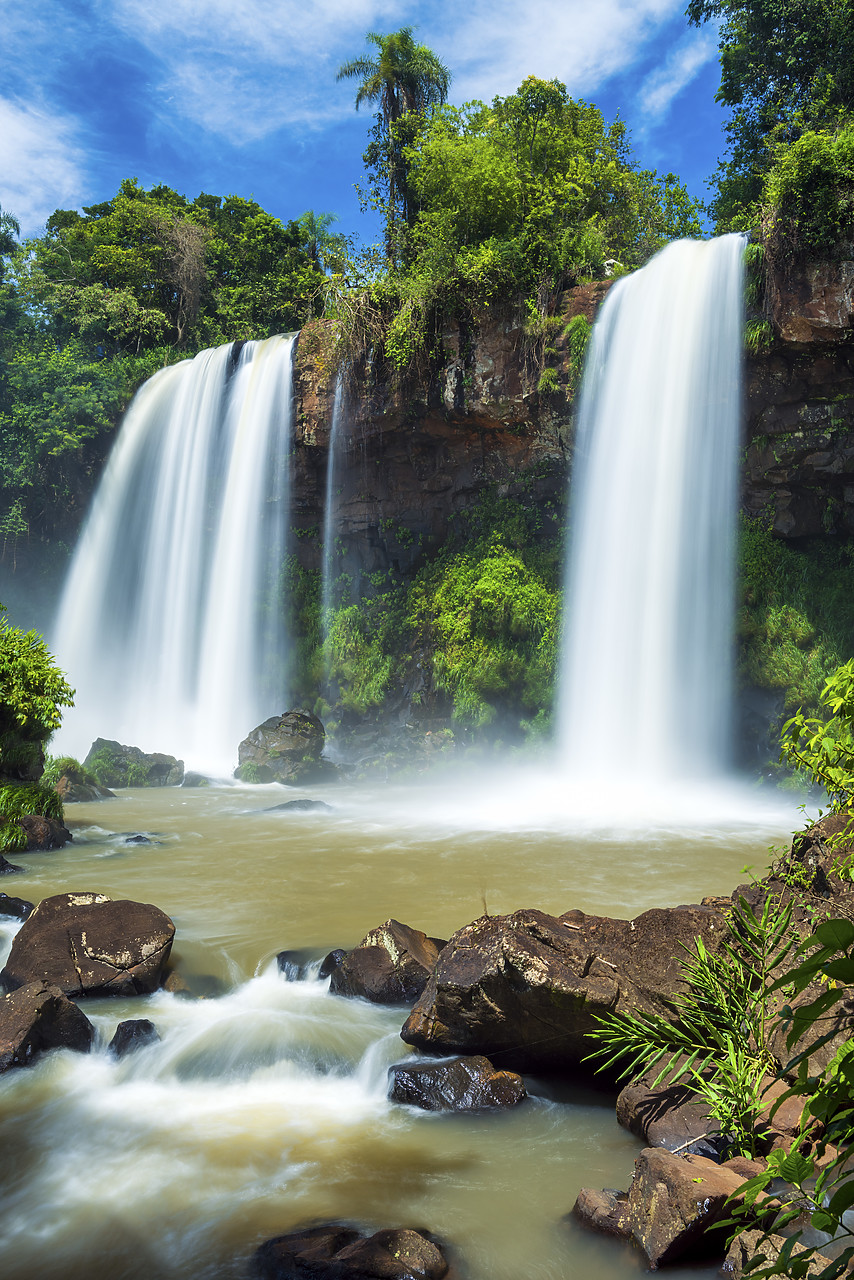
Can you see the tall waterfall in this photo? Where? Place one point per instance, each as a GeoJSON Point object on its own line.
{"type": "Point", "coordinates": [170, 626]}
{"type": "Point", "coordinates": [330, 509]}
{"type": "Point", "coordinates": [646, 679]}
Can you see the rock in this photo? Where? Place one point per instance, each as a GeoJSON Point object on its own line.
{"type": "Point", "coordinates": [814, 303]}
{"type": "Point", "coordinates": [196, 780]}
{"type": "Point", "coordinates": [8, 868]}
{"type": "Point", "coordinates": [139, 837]}
{"type": "Point", "coordinates": [300, 806]}
{"type": "Point", "coordinates": [528, 987]}
{"type": "Point", "coordinates": [669, 1116]}
{"type": "Point", "coordinates": [294, 965]}
{"type": "Point", "coordinates": [74, 791]}
{"type": "Point", "coordinates": [133, 1034]}
{"type": "Point", "coordinates": [749, 1243]}
{"type": "Point", "coordinates": [175, 984]}
{"type": "Point", "coordinates": [604, 1211]}
{"type": "Point", "coordinates": [331, 962]}
{"type": "Point", "coordinates": [675, 1203]}
{"type": "Point", "coordinates": [36, 1018]}
{"type": "Point", "coordinates": [44, 833]}
{"type": "Point", "coordinates": [837, 1023]}
{"type": "Point", "coordinates": [342, 1253]}
{"type": "Point", "coordinates": [87, 944]}
{"type": "Point", "coordinates": [463, 1084]}
{"type": "Point", "coordinates": [391, 965]}
{"type": "Point", "coordinates": [285, 748]}
{"type": "Point", "coordinates": [17, 907]}
{"type": "Point", "coordinates": [115, 765]}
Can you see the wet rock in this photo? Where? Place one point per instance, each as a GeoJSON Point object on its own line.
{"type": "Point", "coordinates": [8, 868]}
{"type": "Point", "coordinates": [300, 806]}
{"type": "Point", "coordinates": [528, 987]}
{"type": "Point", "coordinates": [176, 985]}
{"type": "Point", "coordinates": [138, 837]}
{"type": "Point", "coordinates": [342, 1253]}
{"type": "Point", "coordinates": [331, 962]}
{"type": "Point", "coordinates": [115, 765]}
{"type": "Point", "coordinates": [750, 1243]}
{"type": "Point", "coordinates": [675, 1203]}
{"type": "Point", "coordinates": [196, 780]}
{"type": "Point", "coordinates": [81, 789]}
{"type": "Point", "coordinates": [87, 944]}
{"type": "Point", "coordinates": [294, 965]}
{"type": "Point", "coordinates": [669, 1116]}
{"type": "Point", "coordinates": [17, 907]}
{"type": "Point", "coordinates": [285, 748]}
{"type": "Point", "coordinates": [44, 833]}
{"type": "Point", "coordinates": [391, 965]}
{"type": "Point", "coordinates": [35, 1018]}
{"type": "Point", "coordinates": [603, 1211]}
{"type": "Point", "coordinates": [463, 1084]}
{"type": "Point", "coordinates": [133, 1034]}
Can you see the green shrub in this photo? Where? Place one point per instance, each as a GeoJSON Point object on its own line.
{"type": "Point", "coordinates": [21, 799]}
{"type": "Point", "coordinates": [809, 192]}
{"type": "Point", "coordinates": [32, 692]}
{"type": "Point", "coordinates": [57, 767]}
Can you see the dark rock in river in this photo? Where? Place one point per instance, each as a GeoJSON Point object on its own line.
{"type": "Point", "coordinates": [675, 1204]}
{"type": "Point", "coordinates": [300, 806]}
{"type": "Point", "coordinates": [196, 780]}
{"type": "Point", "coordinates": [80, 788]}
{"type": "Point", "coordinates": [391, 965]}
{"type": "Point", "coordinates": [527, 988]}
{"type": "Point", "coordinates": [605, 1211]}
{"type": "Point", "coordinates": [463, 1084]}
{"type": "Point", "coordinates": [36, 1018]}
{"type": "Point", "coordinates": [44, 833]}
{"type": "Point", "coordinates": [119, 766]}
{"type": "Point", "coordinates": [133, 1034]}
{"type": "Point", "coordinates": [342, 1253]}
{"type": "Point", "coordinates": [8, 868]}
{"type": "Point", "coordinates": [331, 962]}
{"type": "Point", "coordinates": [17, 907]}
{"type": "Point", "coordinates": [287, 749]}
{"type": "Point", "coordinates": [294, 965]}
{"type": "Point", "coordinates": [87, 944]}
{"type": "Point", "coordinates": [669, 1116]}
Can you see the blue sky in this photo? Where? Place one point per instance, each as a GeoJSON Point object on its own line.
{"type": "Point", "coordinates": [231, 98]}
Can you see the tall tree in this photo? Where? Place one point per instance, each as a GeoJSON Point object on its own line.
{"type": "Point", "coordinates": [404, 79]}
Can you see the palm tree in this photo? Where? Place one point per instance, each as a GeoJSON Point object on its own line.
{"type": "Point", "coordinates": [404, 79]}
{"type": "Point", "coordinates": [404, 76]}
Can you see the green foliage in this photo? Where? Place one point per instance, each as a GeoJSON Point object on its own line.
{"type": "Point", "coordinates": [796, 614]}
{"type": "Point", "coordinates": [577, 334]}
{"type": "Point", "coordinates": [823, 746]}
{"type": "Point", "coordinates": [366, 648]}
{"type": "Point", "coordinates": [809, 193]}
{"type": "Point", "coordinates": [718, 1043]}
{"type": "Point", "coordinates": [32, 692]}
{"type": "Point", "coordinates": [758, 336]}
{"type": "Point", "coordinates": [111, 769]}
{"type": "Point", "coordinates": [814, 1182]}
{"type": "Point", "coordinates": [57, 767]}
{"type": "Point", "coordinates": [249, 772]}
{"type": "Point", "coordinates": [21, 799]}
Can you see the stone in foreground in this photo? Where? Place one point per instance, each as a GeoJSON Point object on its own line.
{"type": "Point", "coordinates": [669, 1116]}
{"type": "Point", "coordinates": [604, 1211]}
{"type": "Point", "coordinates": [133, 1034]}
{"type": "Point", "coordinates": [87, 944]}
{"type": "Point", "coordinates": [528, 987]}
{"type": "Point", "coordinates": [43, 833]}
{"type": "Point", "coordinates": [391, 965]}
{"type": "Point", "coordinates": [675, 1204]}
{"type": "Point", "coordinates": [18, 908]}
{"type": "Point", "coordinates": [36, 1018]}
{"type": "Point", "coordinates": [342, 1253]}
{"type": "Point", "coordinates": [463, 1084]}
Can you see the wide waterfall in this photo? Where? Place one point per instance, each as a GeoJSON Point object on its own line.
{"type": "Point", "coordinates": [171, 626]}
{"type": "Point", "coordinates": [647, 667]}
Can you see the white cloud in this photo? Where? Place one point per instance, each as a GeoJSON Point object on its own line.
{"type": "Point", "coordinates": [681, 65]}
{"type": "Point", "coordinates": [41, 163]}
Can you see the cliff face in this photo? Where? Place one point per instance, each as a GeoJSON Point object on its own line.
{"type": "Point", "coordinates": [413, 455]}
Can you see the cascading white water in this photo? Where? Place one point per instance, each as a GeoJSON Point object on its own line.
{"type": "Point", "coordinates": [330, 510]}
{"type": "Point", "coordinates": [647, 667]}
{"type": "Point", "coordinates": [170, 626]}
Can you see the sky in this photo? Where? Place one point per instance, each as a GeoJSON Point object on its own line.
{"type": "Point", "coordinates": [232, 98]}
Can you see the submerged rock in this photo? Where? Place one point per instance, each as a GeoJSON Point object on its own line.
{"type": "Point", "coordinates": [331, 962]}
{"type": "Point", "coordinates": [285, 748]}
{"type": "Point", "coordinates": [295, 965]}
{"type": "Point", "coordinates": [528, 987]}
{"type": "Point", "coordinates": [36, 1018]}
{"type": "Point", "coordinates": [391, 965]}
{"type": "Point", "coordinates": [115, 765]}
{"type": "Point", "coordinates": [8, 868]}
{"type": "Point", "coordinates": [44, 833]}
{"type": "Point", "coordinates": [17, 907]}
{"type": "Point", "coordinates": [196, 780]}
{"type": "Point", "coordinates": [133, 1034]}
{"type": "Point", "coordinates": [342, 1253]}
{"type": "Point", "coordinates": [87, 944]}
{"type": "Point", "coordinates": [300, 806]}
{"type": "Point", "coordinates": [463, 1084]}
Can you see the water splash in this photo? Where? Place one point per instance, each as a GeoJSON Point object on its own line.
{"type": "Point", "coordinates": [170, 626]}
{"type": "Point", "coordinates": [647, 669]}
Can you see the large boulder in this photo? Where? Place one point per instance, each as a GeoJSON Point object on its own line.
{"type": "Point", "coordinates": [670, 1116]}
{"type": "Point", "coordinates": [43, 833]}
{"type": "Point", "coordinates": [18, 908]}
{"type": "Point", "coordinates": [391, 965]}
{"type": "Point", "coordinates": [87, 944]}
{"type": "Point", "coordinates": [115, 765]}
{"type": "Point", "coordinates": [343, 1253]}
{"type": "Point", "coordinates": [285, 748]}
{"type": "Point", "coordinates": [528, 987]}
{"type": "Point", "coordinates": [35, 1018]}
{"type": "Point", "coordinates": [461, 1084]}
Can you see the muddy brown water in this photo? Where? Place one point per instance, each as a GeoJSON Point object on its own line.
{"type": "Point", "coordinates": [264, 1105]}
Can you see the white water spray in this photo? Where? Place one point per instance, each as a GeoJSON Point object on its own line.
{"type": "Point", "coordinates": [647, 668]}
{"type": "Point", "coordinates": [170, 626]}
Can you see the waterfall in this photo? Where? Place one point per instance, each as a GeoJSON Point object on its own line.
{"type": "Point", "coordinates": [647, 666]}
{"type": "Point", "coordinates": [330, 510]}
{"type": "Point", "coordinates": [170, 625]}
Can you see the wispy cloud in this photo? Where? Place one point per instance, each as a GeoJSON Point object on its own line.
{"type": "Point", "coordinates": [42, 165]}
{"type": "Point", "coordinates": [662, 86]}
